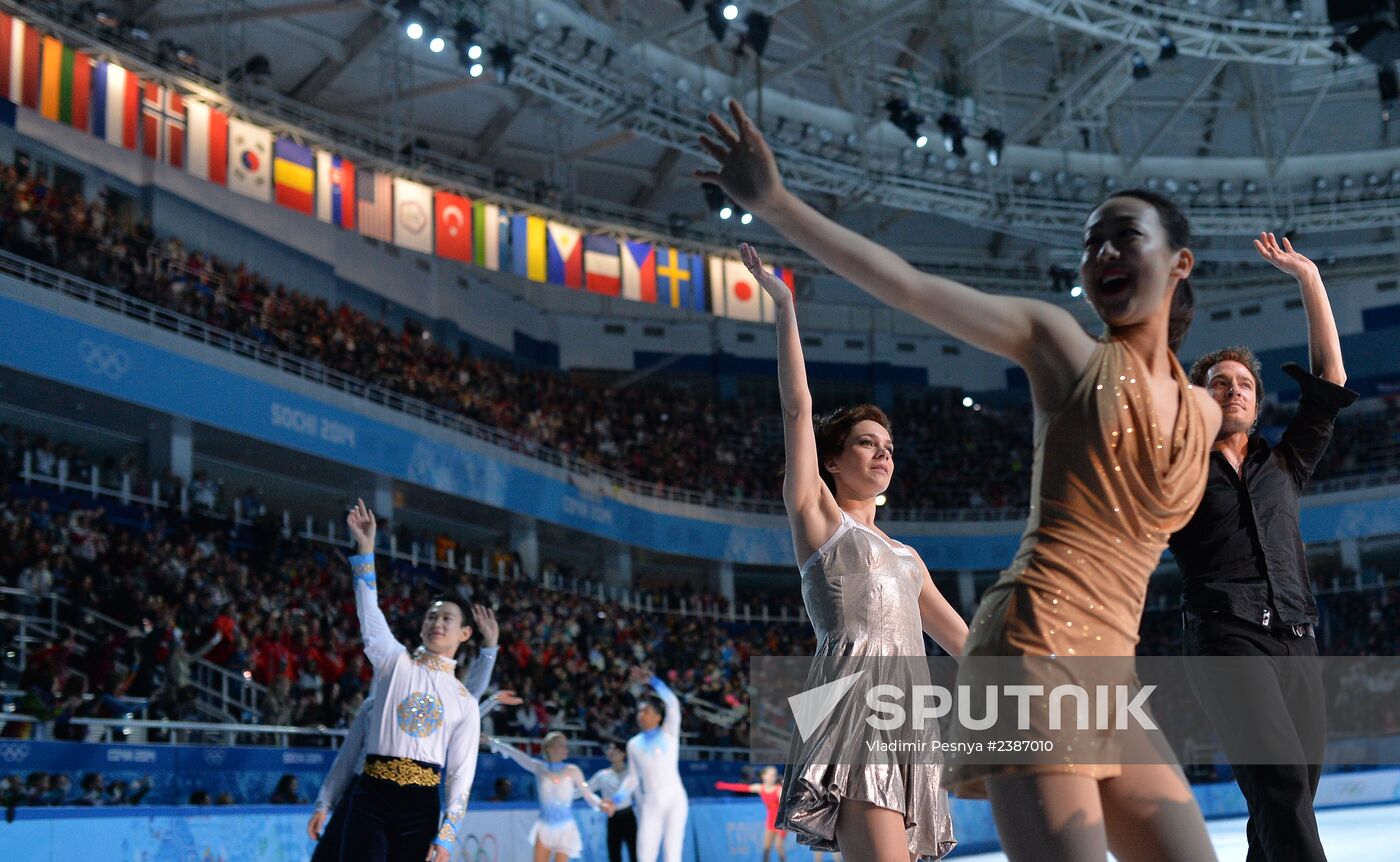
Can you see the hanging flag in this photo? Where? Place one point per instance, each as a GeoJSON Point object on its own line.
{"type": "Point", "coordinates": [293, 177]}
{"type": "Point", "coordinates": [376, 206]}
{"type": "Point", "coordinates": [19, 62]}
{"type": "Point", "coordinates": [602, 265]}
{"type": "Point", "coordinates": [528, 238]}
{"type": "Point", "coordinates": [65, 84]}
{"type": "Point", "coordinates": [733, 290]}
{"type": "Point", "coordinates": [250, 160]}
{"type": "Point", "coordinates": [163, 124]}
{"type": "Point", "coordinates": [208, 143]}
{"type": "Point", "coordinates": [335, 190]}
{"type": "Point", "coordinates": [116, 102]}
{"type": "Point", "coordinates": [454, 226]}
{"type": "Point", "coordinates": [564, 264]}
{"type": "Point", "coordinates": [770, 312]}
{"type": "Point", "coordinates": [486, 235]}
{"type": "Point", "coordinates": [680, 279]}
{"type": "Point", "coordinates": [413, 215]}
{"type": "Point", "coordinates": [638, 271]}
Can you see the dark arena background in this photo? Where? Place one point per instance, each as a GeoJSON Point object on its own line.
{"type": "Point", "coordinates": [260, 259]}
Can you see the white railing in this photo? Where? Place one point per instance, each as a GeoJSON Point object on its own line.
{"type": "Point", "coordinates": [415, 555]}
{"type": "Point", "coordinates": [162, 732]}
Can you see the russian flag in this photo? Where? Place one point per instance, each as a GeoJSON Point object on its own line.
{"type": "Point", "coordinates": [564, 265]}
{"type": "Point", "coordinates": [116, 103]}
{"type": "Point", "coordinates": [638, 271]}
{"type": "Point", "coordinates": [335, 190]}
{"type": "Point", "coordinates": [602, 265]}
{"type": "Point", "coordinates": [293, 177]}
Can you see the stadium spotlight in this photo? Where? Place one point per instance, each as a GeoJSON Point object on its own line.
{"type": "Point", "coordinates": [746, 217]}
{"type": "Point", "coordinates": [475, 70]}
{"type": "Point", "coordinates": [717, 201]}
{"type": "Point", "coordinates": [731, 11]}
{"type": "Point", "coordinates": [464, 35]}
{"type": "Point", "coordinates": [413, 18]}
{"type": "Point", "coordinates": [953, 134]}
{"type": "Point", "coordinates": [715, 19]}
{"type": "Point", "coordinates": [757, 36]}
{"type": "Point", "coordinates": [994, 139]}
{"type": "Point", "coordinates": [1140, 68]}
{"type": "Point", "coordinates": [1168, 46]}
{"type": "Point", "coordinates": [502, 61]}
{"type": "Point", "coordinates": [437, 44]}
{"type": "Point", "coordinates": [907, 121]}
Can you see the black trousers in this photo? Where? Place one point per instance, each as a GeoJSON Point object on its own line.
{"type": "Point", "coordinates": [333, 832]}
{"type": "Point", "coordinates": [1286, 707]}
{"type": "Point", "coordinates": [622, 829]}
{"type": "Point", "coordinates": [389, 823]}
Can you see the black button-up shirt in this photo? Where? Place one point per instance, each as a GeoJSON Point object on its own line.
{"type": "Point", "coordinates": [1242, 552]}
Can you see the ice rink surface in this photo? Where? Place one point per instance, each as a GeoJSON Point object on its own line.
{"type": "Point", "coordinates": [1366, 833]}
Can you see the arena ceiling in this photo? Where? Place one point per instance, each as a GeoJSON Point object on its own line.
{"type": "Point", "coordinates": [1258, 121]}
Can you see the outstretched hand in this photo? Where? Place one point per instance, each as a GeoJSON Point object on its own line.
{"type": "Point", "coordinates": [771, 283]}
{"type": "Point", "coordinates": [485, 619]}
{"type": "Point", "coordinates": [1284, 257]}
{"type": "Point", "coordinates": [747, 170]}
{"type": "Point", "coordinates": [361, 524]}
{"type": "Point", "coordinates": [507, 697]}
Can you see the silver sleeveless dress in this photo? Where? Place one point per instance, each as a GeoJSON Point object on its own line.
{"type": "Point", "coordinates": [862, 595]}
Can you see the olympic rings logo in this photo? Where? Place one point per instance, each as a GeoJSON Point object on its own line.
{"type": "Point", "coordinates": [102, 359]}
{"type": "Point", "coordinates": [476, 849]}
{"type": "Point", "coordinates": [14, 752]}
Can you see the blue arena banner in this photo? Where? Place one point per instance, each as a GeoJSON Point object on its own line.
{"type": "Point", "coordinates": [52, 345]}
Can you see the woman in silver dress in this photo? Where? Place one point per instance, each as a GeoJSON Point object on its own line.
{"type": "Point", "coordinates": [868, 597]}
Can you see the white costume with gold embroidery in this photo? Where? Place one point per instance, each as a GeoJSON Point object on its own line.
{"type": "Point", "coordinates": [421, 711]}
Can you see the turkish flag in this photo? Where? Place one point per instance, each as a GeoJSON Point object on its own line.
{"type": "Point", "coordinates": [454, 226]}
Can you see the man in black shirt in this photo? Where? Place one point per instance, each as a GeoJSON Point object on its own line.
{"type": "Point", "coordinates": [1245, 576]}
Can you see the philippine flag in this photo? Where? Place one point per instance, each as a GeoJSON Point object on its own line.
{"type": "Point", "coordinates": [564, 266]}
{"type": "Point", "coordinates": [335, 190]}
{"type": "Point", "coordinates": [602, 265]}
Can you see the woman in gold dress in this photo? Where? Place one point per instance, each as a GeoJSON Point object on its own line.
{"type": "Point", "coordinates": [1122, 441]}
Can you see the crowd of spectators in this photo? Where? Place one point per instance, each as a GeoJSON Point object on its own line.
{"type": "Point", "coordinates": [56, 788]}
{"type": "Point", "coordinates": [725, 449]}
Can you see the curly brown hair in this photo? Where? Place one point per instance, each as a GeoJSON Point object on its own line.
{"type": "Point", "coordinates": [833, 429]}
{"type": "Point", "coordinates": [1243, 355]}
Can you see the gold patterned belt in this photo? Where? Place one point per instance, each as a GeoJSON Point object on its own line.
{"type": "Point", "coordinates": [402, 771]}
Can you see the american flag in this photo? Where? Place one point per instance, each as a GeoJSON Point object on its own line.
{"type": "Point", "coordinates": [376, 206]}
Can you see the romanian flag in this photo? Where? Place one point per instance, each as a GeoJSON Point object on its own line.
{"type": "Point", "coordinates": [486, 235]}
{"type": "Point", "coordinates": [65, 89]}
{"type": "Point", "coordinates": [564, 256]}
{"type": "Point", "coordinates": [19, 62]}
{"type": "Point", "coordinates": [529, 238]}
{"type": "Point", "coordinates": [294, 176]}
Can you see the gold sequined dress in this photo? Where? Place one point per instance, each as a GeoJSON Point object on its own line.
{"type": "Point", "coordinates": [1114, 487]}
